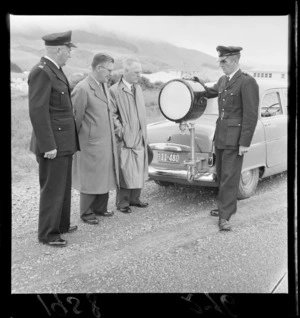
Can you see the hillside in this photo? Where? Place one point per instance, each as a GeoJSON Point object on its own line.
{"type": "Point", "coordinates": [155, 56]}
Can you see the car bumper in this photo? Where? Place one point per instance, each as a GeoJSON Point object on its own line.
{"type": "Point", "coordinates": [180, 176]}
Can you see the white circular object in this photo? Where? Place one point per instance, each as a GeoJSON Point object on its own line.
{"type": "Point", "coordinates": [175, 100]}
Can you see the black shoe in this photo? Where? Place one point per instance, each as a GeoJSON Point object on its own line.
{"type": "Point", "coordinates": [91, 221]}
{"type": "Point", "coordinates": [224, 225]}
{"type": "Point", "coordinates": [59, 242]}
{"type": "Point", "coordinates": [105, 213]}
{"type": "Point", "coordinates": [71, 229]}
{"type": "Point", "coordinates": [214, 212]}
{"type": "Point", "coordinates": [140, 205]}
{"type": "Point", "coordinates": [126, 209]}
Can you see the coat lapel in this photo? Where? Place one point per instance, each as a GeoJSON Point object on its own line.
{"type": "Point", "coordinates": [97, 89]}
{"type": "Point", "coordinates": [124, 87]}
{"type": "Point", "coordinates": [235, 76]}
{"type": "Point", "coordinates": [55, 70]}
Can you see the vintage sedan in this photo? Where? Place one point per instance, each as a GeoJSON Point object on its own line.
{"type": "Point", "coordinates": [186, 156]}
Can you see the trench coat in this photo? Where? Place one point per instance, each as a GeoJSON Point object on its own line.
{"type": "Point", "coordinates": [95, 167]}
{"type": "Point", "coordinates": [132, 145]}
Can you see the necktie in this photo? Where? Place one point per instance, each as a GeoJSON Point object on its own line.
{"type": "Point", "coordinates": [227, 79]}
{"type": "Point", "coordinates": [133, 90]}
{"type": "Point", "coordinates": [62, 72]}
{"type": "Point", "coordinates": [103, 88]}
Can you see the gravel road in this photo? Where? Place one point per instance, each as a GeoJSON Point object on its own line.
{"type": "Point", "coordinates": [171, 246]}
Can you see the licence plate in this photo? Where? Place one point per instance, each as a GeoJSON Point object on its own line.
{"type": "Point", "coordinates": [170, 157]}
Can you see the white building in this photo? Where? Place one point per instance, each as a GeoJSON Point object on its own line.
{"type": "Point", "coordinates": [269, 73]}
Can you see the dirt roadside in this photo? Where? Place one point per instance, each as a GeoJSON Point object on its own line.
{"type": "Point", "coordinates": [175, 217]}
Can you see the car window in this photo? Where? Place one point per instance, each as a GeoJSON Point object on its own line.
{"type": "Point", "coordinates": [271, 105]}
{"type": "Point", "coordinates": [211, 107]}
{"type": "Point", "coordinates": [285, 97]}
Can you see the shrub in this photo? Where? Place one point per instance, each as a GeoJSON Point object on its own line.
{"type": "Point", "coordinates": [114, 79]}
{"type": "Point", "coordinates": [75, 78]}
{"type": "Point", "coordinates": [23, 161]}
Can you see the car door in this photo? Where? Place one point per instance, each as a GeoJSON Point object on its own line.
{"type": "Point", "coordinates": [274, 119]}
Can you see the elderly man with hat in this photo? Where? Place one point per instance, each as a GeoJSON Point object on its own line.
{"type": "Point", "coordinates": [54, 138]}
{"type": "Point", "coordinates": [238, 100]}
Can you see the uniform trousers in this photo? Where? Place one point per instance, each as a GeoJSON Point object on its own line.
{"type": "Point", "coordinates": [91, 204]}
{"type": "Point", "coordinates": [124, 197]}
{"type": "Point", "coordinates": [55, 177]}
{"type": "Point", "coordinates": [229, 167]}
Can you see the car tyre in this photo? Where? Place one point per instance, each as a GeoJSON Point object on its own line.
{"type": "Point", "coordinates": [163, 183]}
{"type": "Point", "coordinates": [248, 183]}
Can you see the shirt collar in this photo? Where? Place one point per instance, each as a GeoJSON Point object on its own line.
{"type": "Point", "coordinates": [232, 74]}
{"type": "Point", "coordinates": [95, 80]}
{"type": "Point", "coordinates": [126, 83]}
{"type": "Point", "coordinates": [50, 59]}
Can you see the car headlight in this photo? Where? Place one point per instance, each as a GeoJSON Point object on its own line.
{"type": "Point", "coordinates": [211, 159]}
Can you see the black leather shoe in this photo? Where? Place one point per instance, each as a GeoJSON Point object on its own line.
{"type": "Point", "coordinates": [214, 212]}
{"type": "Point", "coordinates": [224, 225]}
{"type": "Point", "coordinates": [105, 213]}
{"type": "Point", "coordinates": [71, 229]}
{"type": "Point", "coordinates": [139, 205]}
{"type": "Point", "coordinates": [125, 210]}
{"type": "Point", "coordinates": [59, 242]}
{"type": "Point", "coordinates": [91, 221]}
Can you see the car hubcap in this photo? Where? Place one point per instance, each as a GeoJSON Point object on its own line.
{"type": "Point", "coordinates": [246, 177]}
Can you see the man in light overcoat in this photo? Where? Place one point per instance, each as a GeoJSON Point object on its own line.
{"type": "Point", "coordinates": [131, 132]}
{"type": "Point", "coordinates": [95, 169]}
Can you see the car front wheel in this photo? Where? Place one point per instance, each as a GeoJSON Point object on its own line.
{"type": "Point", "coordinates": [248, 183]}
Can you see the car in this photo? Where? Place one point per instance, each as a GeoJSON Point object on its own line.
{"type": "Point", "coordinates": [187, 156]}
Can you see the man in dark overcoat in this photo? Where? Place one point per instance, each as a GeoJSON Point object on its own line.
{"type": "Point", "coordinates": [238, 100]}
{"type": "Point", "coordinates": [54, 138]}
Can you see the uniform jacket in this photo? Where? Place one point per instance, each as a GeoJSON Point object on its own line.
{"type": "Point", "coordinates": [238, 102]}
{"type": "Point", "coordinates": [95, 167]}
{"type": "Point", "coordinates": [51, 111]}
{"type": "Point", "coordinates": [132, 145]}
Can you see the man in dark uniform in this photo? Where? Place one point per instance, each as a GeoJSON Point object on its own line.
{"type": "Point", "coordinates": [54, 138]}
{"type": "Point", "coordinates": [238, 100]}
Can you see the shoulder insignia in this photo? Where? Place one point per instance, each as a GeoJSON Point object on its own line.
{"type": "Point", "coordinates": [245, 73]}
{"type": "Point", "coordinates": [41, 66]}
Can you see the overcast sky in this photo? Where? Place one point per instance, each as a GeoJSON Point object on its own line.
{"type": "Point", "coordinates": [264, 38]}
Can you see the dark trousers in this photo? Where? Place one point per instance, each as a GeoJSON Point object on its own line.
{"type": "Point", "coordinates": [229, 167]}
{"type": "Point", "coordinates": [55, 196]}
{"type": "Point", "coordinates": [126, 196]}
{"type": "Point", "coordinates": [91, 204]}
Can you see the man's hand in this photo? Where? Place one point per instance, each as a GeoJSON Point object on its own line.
{"type": "Point", "coordinates": [243, 150]}
{"type": "Point", "coordinates": [50, 154]}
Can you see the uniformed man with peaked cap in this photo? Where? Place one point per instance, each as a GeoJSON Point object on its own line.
{"type": "Point", "coordinates": [238, 100]}
{"type": "Point", "coordinates": [54, 138]}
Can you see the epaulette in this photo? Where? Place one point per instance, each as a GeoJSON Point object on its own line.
{"type": "Point", "coordinates": [245, 73]}
{"type": "Point", "coordinates": [42, 65]}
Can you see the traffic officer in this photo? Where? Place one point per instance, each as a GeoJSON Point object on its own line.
{"type": "Point", "coordinates": [238, 100]}
{"type": "Point", "coordinates": [54, 138]}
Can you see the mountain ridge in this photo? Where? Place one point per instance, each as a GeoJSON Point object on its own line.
{"type": "Point", "coordinates": [154, 55]}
